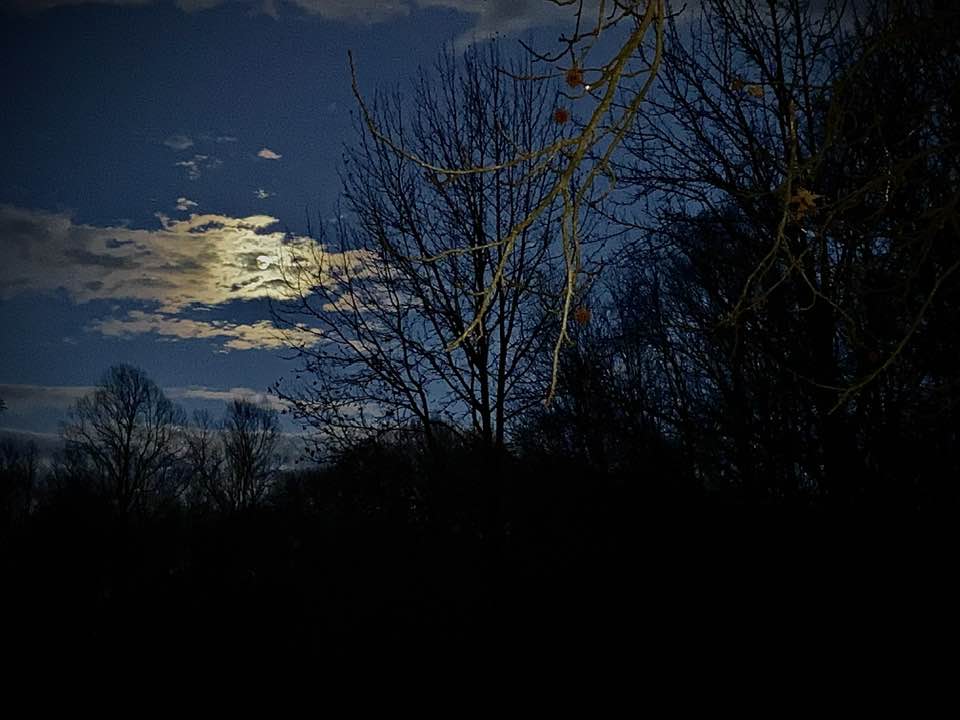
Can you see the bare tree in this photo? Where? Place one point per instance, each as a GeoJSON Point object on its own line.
{"type": "Point", "coordinates": [390, 298]}
{"type": "Point", "coordinates": [19, 471]}
{"type": "Point", "coordinates": [125, 436]}
{"type": "Point", "coordinates": [779, 110]}
{"type": "Point", "coordinates": [609, 79]}
{"type": "Point", "coordinates": [233, 462]}
{"type": "Point", "coordinates": [800, 276]}
{"type": "Point", "coordinates": [250, 461]}
{"type": "Point", "coordinates": [204, 458]}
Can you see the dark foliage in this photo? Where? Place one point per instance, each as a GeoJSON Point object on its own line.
{"type": "Point", "coordinates": [730, 450]}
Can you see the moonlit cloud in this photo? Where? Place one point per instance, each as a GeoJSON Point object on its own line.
{"type": "Point", "coordinates": [261, 335]}
{"type": "Point", "coordinates": [178, 142]}
{"type": "Point", "coordinates": [184, 204]}
{"type": "Point", "coordinates": [205, 260]}
{"type": "Point", "coordinates": [262, 194]}
{"type": "Point", "coordinates": [268, 154]}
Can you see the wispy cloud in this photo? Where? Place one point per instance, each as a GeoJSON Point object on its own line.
{"type": "Point", "coordinates": [506, 17]}
{"type": "Point", "coordinates": [260, 335]}
{"type": "Point", "coordinates": [20, 398]}
{"type": "Point", "coordinates": [365, 11]}
{"type": "Point", "coordinates": [178, 142]}
{"type": "Point", "coordinates": [30, 398]}
{"type": "Point", "coordinates": [39, 5]}
{"type": "Point", "coordinates": [262, 194]}
{"type": "Point", "coordinates": [185, 204]}
{"type": "Point", "coordinates": [268, 154]}
{"type": "Point", "coordinates": [197, 164]}
{"type": "Point", "coordinates": [226, 396]}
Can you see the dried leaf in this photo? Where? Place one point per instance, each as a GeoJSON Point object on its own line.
{"type": "Point", "coordinates": [803, 203]}
{"type": "Point", "coordinates": [574, 77]}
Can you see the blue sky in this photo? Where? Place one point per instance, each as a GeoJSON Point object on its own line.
{"type": "Point", "coordinates": [155, 153]}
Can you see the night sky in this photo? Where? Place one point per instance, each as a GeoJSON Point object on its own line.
{"type": "Point", "coordinates": [154, 155]}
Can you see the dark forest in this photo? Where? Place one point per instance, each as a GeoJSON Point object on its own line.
{"type": "Point", "coordinates": [653, 334]}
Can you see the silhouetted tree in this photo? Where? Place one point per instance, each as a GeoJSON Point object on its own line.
{"type": "Point", "coordinates": [610, 82]}
{"type": "Point", "coordinates": [204, 458]}
{"type": "Point", "coordinates": [19, 474]}
{"type": "Point", "coordinates": [124, 436]}
{"type": "Point", "coordinates": [800, 283]}
{"type": "Point", "coordinates": [411, 264]}
{"type": "Point", "coordinates": [250, 436]}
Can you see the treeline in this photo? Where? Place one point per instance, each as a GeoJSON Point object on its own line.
{"type": "Point", "coordinates": [567, 539]}
{"type": "Point", "coordinates": [150, 533]}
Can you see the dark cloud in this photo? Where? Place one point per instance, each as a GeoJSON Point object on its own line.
{"type": "Point", "coordinates": [19, 397]}
{"type": "Point", "coordinates": [113, 262]}
{"type": "Point", "coordinates": [113, 243]}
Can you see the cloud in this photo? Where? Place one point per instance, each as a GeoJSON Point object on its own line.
{"type": "Point", "coordinates": [197, 164]}
{"type": "Point", "coordinates": [226, 396]}
{"type": "Point", "coordinates": [204, 260]}
{"type": "Point", "coordinates": [268, 154]}
{"type": "Point", "coordinates": [178, 142]}
{"type": "Point", "coordinates": [492, 17]}
{"type": "Point", "coordinates": [365, 11]}
{"type": "Point", "coordinates": [184, 204]}
{"type": "Point", "coordinates": [261, 335]}
{"type": "Point", "coordinates": [262, 194]}
{"type": "Point", "coordinates": [506, 17]}
{"type": "Point", "coordinates": [22, 398]}
{"type": "Point", "coordinates": [28, 6]}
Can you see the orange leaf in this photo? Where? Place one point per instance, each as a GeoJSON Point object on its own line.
{"type": "Point", "coordinates": [803, 203]}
